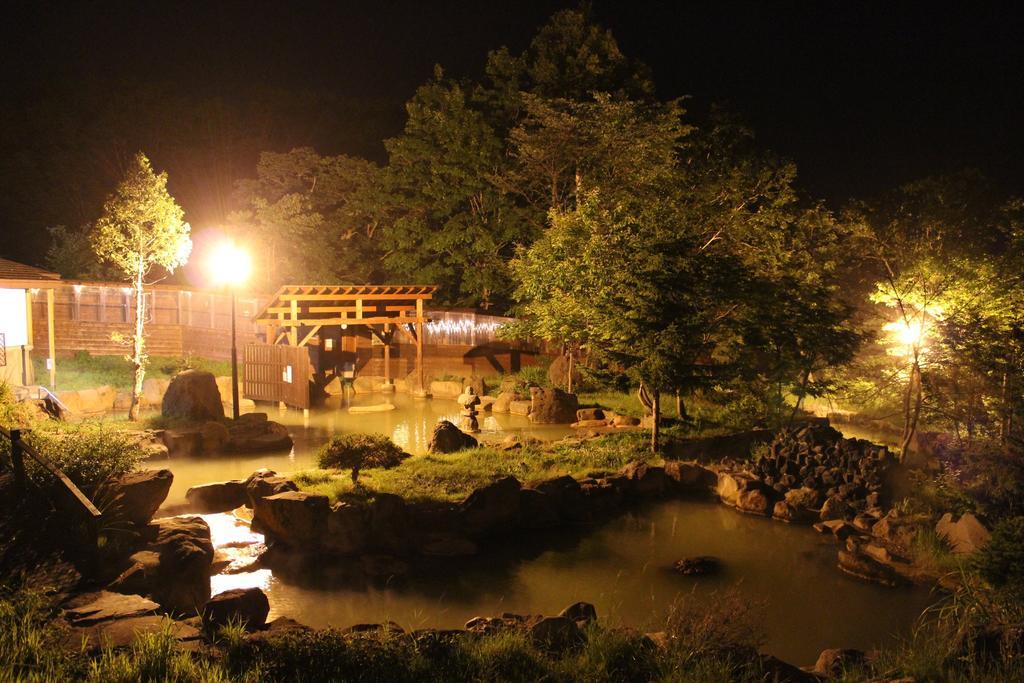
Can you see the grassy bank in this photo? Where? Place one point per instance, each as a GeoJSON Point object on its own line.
{"type": "Point", "coordinates": [85, 371]}
{"type": "Point", "coordinates": [432, 477]}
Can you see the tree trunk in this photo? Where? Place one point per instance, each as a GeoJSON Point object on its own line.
{"type": "Point", "coordinates": [914, 390]}
{"type": "Point", "coordinates": [800, 398]}
{"type": "Point", "coordinates": [656, 416]}
{"type": "Point", "coordinates": [568, 381]}
{"type": "Point", "coordinates": [138, 348]}
{"type": "Point", "coordinates": [681, 407]}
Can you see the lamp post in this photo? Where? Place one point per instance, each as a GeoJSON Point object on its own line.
{"type": "Point", "coordinates": [230, 266]}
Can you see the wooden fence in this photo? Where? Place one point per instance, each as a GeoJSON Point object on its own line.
{"type": "Point", "coordinates": [276, 373]}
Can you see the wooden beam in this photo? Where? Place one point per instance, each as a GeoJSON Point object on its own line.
{"type": "Point", "coordinates": [353, 297]}
{"type": "Point", "coordinates": [305, 340]}
{"type": "Point", "coordinates": [380, 320]}
{"type": "Point", "coordinates": [293, 332]}
{"type": "Point", "coordinates": [50, 339]}
{"type": "Point", "coordinates": [386, 339]}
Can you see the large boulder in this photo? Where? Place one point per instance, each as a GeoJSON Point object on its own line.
{"type": "Point", "coordinates": [296, 518]}
{"type": "Point", "coordinates": [835, 661]}
{"type": "Point", "coordinates": [556, 634]}
{"type": "Point", "coordinates": [219, 496]}
{"type": "Point", "coordinates": [558, 373]}
{"type": "Point", "coordinates": [447, 438]}
{"type": "Point", "coordinates": [193, 395]}
{"type": "Point", "coordinates": [389, 524]}
{"type": "Point", "coordinates": [254, 433]}
{"type": "Point", "coordinates": [552, 406]}
{"type": "Point", "coordinates": [690, 477]}
{"type": "Point", "coordinates": [137, 496]}
{"type": "Point", "coordinates": [899, 530]}
{"type": "Point", "coordinates": [646, 479]}
{"type": "Point", "coordinates": [503, 402]}
{"type": "Point", "coordinates": [263, 483]}
{"type": "Point", "coordinates": [965, 536]}
{"type": "Point", "coordinates": [348, 529]}
{"type": "Point", "coordinates": [492, 508]}
{"type": "Point", "coordinates": [445, 388]}
{"type": "Point", "coordinates": [174, 567]}
{"type": "Point", "coordinates": [864, 566]}
{"type": "Point", "coordinates": [248, 606]}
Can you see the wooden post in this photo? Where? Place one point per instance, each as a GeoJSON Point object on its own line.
{"type": "Point", "coordinates": [419, 345]}
{"type": "Point", "coordinates": [293, 330]}
{"type": "Point", "coordinates": [28, 371]}
{"type": "Point", "coordinates": [17, 459]}
{"type": "Point", "coordinates": [50, 339]}
{"type": "Point", "coordinates": [387, 353]}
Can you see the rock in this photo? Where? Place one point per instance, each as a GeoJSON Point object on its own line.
{"type": "Point", "coordinates": [625, 421]}
{"type": "Point", "coordinates": [503, 402]}
{"type": "Point", "coordinates": [246, 605]}
{"type": "Point", "coordinates": [348, 529]}
{"type": "Point", "coordinates": [183, 441]}
{"type": "Point", "coordinates": [756, 499]}
{"type": "Point", "coordinates": [519, 407]}
{"type": "Point", "coordinates": [193, 395]}
{"type": "Point", "coordinates": [492, 508]}
{"type": "Point", "coordinates": [556, 634]}
{"type": "Point", "coordinates": [580, 612]}
{"type": "Point", "coordinates": [383, 567]}
{"type": "Point", "coordinates": [447, 438]}
{"type": "Point", "coordinates": [586, 414]}
{"type": "Point", "coordinates": [589, 424]}
{"type": "Point", "coordinates": [804, 498]}
{"type": "Point", "coordinates": [786, 512]}
{"type": "Point", "coordinates": [220, 496]}
{"type": "Point", "coordinates": [122, 633]}
{"type": "Point", "coordinates": [263, 483]}
{"type": "Point", "coordinates": [447, 545]}
{"type": "Point", "coordinates": [538, 510]}
{"type": "Point", "coordinates": [834, 508]}
{"type": "Point", "coordinates": [376, 408]}
{"type": "Point", "coordinates": [486, 403]}
{"type": "Point", "coordinates": [367, 384]}
{"type": "Point", "coordinates": [645, 479]}
{"type": "Point", "coordinates": [389, 525]}
{"type": "Point", "coordinates": [137, 496]}
{"type": "Point", "coordinates": [966, 535]}
{"type": "Point", "coordinates": [214, 436]}
{"type": "Point", "coordinates": [690, 477]}
{"type": "Point", "coordinates": [552, 406]}
{"type": "Point", "coordinates": [256, 435]}
{"type": "Point", "coordinates": [105, 605]}
{"type": "Point", "coordinates": [834, 662]}
{"type": "Point", "coordinates": [445, 389]}
{"type": "Point", "coordinates": [296, 518]}
{"type": "Point", "coordinates": [700, 565]}
{"type": "Point", "coordinates": [174, 567]}
{"type": "Point", "coordinates": [865, 567]}
{"type": "Point", "coordinates": [153, 391]}
{"type": "Point", "coordinates": [839, 528]}
{"type": "Point", "coordinates": [558, 372]}
{"type": "Point", "coordinates": [96, 401]}
{"type": "Point", "coordinates": [729, 486]}
{"type": "Point", "coordinates": [898, 530]}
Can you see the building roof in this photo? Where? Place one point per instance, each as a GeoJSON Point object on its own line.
{"type": "Point", "coordinates": [343, 304]}
{"type": "Point", "coordinates": [19, 273]}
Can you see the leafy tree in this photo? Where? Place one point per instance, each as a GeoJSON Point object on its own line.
{"type": "Point", "coordinates": [141, 232]}
{"type": "Point", "coordinates": [452, 226]}
{"type": "Point", "coordinates": [71, 255]}
{"type": "Point", "coordinates": [360, 451]}
{"type": "Point", "coordinates": [313, 218]}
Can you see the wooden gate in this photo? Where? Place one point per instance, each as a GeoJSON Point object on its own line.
{"type": "Point", "coordinates": [277, 373]}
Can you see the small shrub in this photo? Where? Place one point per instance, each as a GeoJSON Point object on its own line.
{"type": "Point", "coordinates": [359, 451]}
{"type": "Point", "coordinates": [88, 453]}
{"type": "Point", "coordinates": [532, 376]}
{"type": "Point", "coordinates": [703, 627]}
{"type": "Point", "coordinates": [1001, 561]}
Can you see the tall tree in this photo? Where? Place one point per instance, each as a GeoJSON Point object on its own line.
{"type": "Point", "coordinates": [143, 233]}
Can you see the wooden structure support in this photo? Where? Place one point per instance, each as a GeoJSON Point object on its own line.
{"type": "Point", "coordinates": [296, 314]}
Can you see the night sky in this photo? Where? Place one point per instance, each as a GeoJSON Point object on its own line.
{"type": "Point", "coordinates": [862, 95]}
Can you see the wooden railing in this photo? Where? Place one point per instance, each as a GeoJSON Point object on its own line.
{"type": "Point", "coordinates": [70, 495]}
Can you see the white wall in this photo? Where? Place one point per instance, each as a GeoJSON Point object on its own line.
{"type": "Point", "coordinates": [13, 317]}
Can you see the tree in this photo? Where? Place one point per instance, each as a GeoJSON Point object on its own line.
{"type": "Point", "coordinates": [71, 255]}
{"type": "Point", "coordinates": [142, 231]}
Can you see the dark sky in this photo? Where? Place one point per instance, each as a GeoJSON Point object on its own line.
{"type": "Point", "coordinates": [862, 95]}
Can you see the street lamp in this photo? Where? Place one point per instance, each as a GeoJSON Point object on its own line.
{"type": "Point", "coordinates": [230, 266]}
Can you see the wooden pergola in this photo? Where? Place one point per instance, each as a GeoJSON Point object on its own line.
{"type": "Point", "coordinates": [297, 313]}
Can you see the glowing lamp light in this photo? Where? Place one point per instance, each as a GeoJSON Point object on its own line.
{"type": "Point", "coordinates": [229, 264]}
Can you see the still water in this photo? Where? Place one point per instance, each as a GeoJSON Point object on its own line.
{"type": "Point", "coordinates": [409, 426]}
{"type": "Point", "coordinates": [805, 603]}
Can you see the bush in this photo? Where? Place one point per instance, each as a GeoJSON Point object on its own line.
{"type": "Point", "coordinates": [1001, 561]}
{"type": "Point", "coordinates": [359, 451]}
{"type": "Point", "coordinates": [88, 453]}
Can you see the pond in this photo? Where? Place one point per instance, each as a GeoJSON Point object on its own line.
{"type": "Point", "coordinates": [409, 425]}
{"type": "Point", "coordinates": [804, 602]}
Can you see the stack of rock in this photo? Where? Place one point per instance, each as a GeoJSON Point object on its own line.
{"type": "Point", "coordinates": [469, 400]}
{"type": "Point", "coordinates": [813, 469]}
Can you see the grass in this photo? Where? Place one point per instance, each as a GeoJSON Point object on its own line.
{"type": "Point", "coordinates": [450, 478]}
{"type": "Point", "coordinates": [85, 371]}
